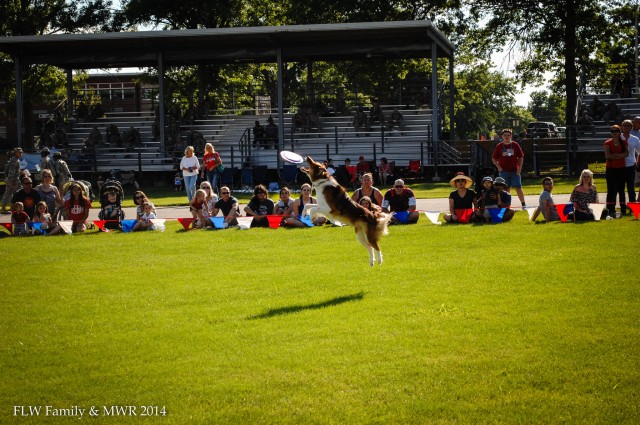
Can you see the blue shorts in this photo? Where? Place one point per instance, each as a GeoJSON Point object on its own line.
{"type": "Point", "coordinates": [512, 179]}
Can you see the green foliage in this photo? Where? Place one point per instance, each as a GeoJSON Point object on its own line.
{"type": "Point", "coordinates": [187, 14]}
{"type": "Point", "coordinates": [43, 84]}
{"type": "Point", "coordinates": [484, 99]}
{"type": "Point", "coordinates": [277, 326]}
{"type": "Point", "coordinates": [545, 106]}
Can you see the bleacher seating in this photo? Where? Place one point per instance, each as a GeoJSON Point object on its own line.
{"type": "Point", "coordinates": [593, 140]}
{"type": "Point", "coordinates": [335, 137]}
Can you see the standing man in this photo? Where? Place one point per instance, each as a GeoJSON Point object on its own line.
{"type": "Point", "coordinates": [508, 158]}
{"type": "Point", "coordinates": [12, 178]}
{"type": "Point", "coordinates": [630, 160]}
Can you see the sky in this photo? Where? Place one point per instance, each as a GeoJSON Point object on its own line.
{"type": "Point", "coordinates": [504, 63]}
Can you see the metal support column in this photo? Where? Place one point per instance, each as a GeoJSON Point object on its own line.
{"type": "Point", "coordinates": [19, 102]}
{"type": "Point", "coordinates": [70, 97]}
{"type": "Point", "coordinates": [434, 107]}
{"type": "Point", "coordinates": [452, 90]}
{"type": "Point", "coordinates": [280, 100]}
{"type": "Point", "coordinates": [161, 111]}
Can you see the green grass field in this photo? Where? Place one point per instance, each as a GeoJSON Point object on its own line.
{"type": "Point", "coordinates": [512, 323]}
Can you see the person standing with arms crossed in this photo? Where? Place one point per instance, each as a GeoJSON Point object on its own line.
{"type": "Point", "coordinates": [508, 158]}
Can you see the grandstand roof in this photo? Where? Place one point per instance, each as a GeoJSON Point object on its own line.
{"type": "Point", "coordinates": [348, 41]}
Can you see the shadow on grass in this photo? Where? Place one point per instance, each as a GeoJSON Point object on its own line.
{"type": "Point", "coordinates": [273, 312]}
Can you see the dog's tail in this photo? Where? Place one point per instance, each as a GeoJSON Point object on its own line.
{"type": "Point", "coordinates": [382, 222]}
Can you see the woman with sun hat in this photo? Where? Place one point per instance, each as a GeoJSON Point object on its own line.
{"type": "Point", "coordinates": [462, 201]}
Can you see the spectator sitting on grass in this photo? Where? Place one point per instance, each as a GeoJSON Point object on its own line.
{"type": "Point", "coordinates": [461, 199]}
{"type": "Point", "coordinates": [77, 208]}
{"type": "Point", "coordinates": [259, 207]}
{"type": "Point", "coordinates": [546, 205]}
{"type": "Point", "coordinates": [298, 212]}
{"type": "Point", "coordinates": [487, 198]}
{"type": "Point", "coordinates": [504, 198]}
{"type": "Point", "coordinates": [19, 219]}
{"type": "Point", "coordinates": [366, 203]}
{"type": "Point", "coordinates": [400, 199]}
{"type": "Point", "coordinates": [367, 189]}
{"type": "Point", "coordinates": [229, 206]}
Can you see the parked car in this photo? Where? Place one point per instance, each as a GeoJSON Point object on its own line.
{"type": "Point", "coordinates": [562, 131]}
{"type": "Point", "coordinates": [541, 129]}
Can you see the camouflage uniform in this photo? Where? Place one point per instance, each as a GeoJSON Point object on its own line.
{"type": "Point", "coordinates": [12, 178]}
{"type": "Point", "coordinates": [61, 170]}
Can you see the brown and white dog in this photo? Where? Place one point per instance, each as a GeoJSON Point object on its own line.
{"type": "Point", "coordinates": [336, 205]}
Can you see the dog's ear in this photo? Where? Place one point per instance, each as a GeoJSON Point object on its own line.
{"type": "Point", "coordinates": [309, 160]}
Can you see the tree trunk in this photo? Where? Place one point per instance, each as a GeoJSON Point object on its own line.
{"type": "Point", "coordinates": [570, 62]}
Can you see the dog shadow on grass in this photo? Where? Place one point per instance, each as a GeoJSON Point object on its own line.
{"type": "Point", "coordinates": [273, 312]}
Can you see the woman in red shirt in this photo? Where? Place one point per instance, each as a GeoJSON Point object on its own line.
{"type": "Point", "coordinates": [210, 163]}
{"type": "Point", "coordinates": [615, 152]}
{"type": "Point", "coordinates": [77, 208]}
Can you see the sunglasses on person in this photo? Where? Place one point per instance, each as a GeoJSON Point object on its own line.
{"type": "Point", "coordinates": [398, 186]}
{"type": "Point", "coordinates": [139, 197]}
{"type": "Point", "coordinates": [461, 181]}
{"type": "Point", "coordinates": [224, 193]}
{"type": "Point", "coordinates": [615, 131]}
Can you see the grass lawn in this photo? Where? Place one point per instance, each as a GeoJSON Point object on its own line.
{"type": "Point", "coordinates": [512, 323]}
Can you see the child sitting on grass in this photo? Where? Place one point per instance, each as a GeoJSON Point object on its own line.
{"type": "Point", "coordinates": [145, 222]}
{"type": "Point", "coordinates": [488, 198]}
{"type": "Point", "coordinates": [197, 206]}
{"type": "Point", "coordinates": [366, 203]}
{"type": "Point", "coordinates": [504, 198]}
{"type": "Point", "coordinates": [19, 219]}
{"type": "Point", "coordinates": [42, 216]}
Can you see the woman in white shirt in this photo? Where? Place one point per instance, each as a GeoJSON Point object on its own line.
{"type": "Point", "coordinates": [190, 167]}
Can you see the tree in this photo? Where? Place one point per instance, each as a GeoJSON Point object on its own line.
{"type": "Point", "coordinates": [186, 14]}
{"type": "Point", "coordinates": [554, 35]}
{"type": "Point", "coordinates": [37, 17]}
{"type": "Point", "coordinates": [545, 106]}
{"type": "Point", "coordinates": [483, 100]}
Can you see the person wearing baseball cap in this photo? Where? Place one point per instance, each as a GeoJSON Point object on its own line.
{"type": "Point", "coordinates": [508, 157]}
{"type": "Point", "coordinates": [11, 178]}
{"type": "Point", "coordinates": [504, 198]}
{"type": "Point", "coordinates": [487, 197]}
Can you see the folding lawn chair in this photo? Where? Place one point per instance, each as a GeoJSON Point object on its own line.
{"type": "Point", "coordinates": [289, 175]}
{"type": "Point", "coordinates": [246, 180]}
{"type": "Point", "coordinates": [260, 174]}
{"type": "Point", "coordinates": [226, 179]}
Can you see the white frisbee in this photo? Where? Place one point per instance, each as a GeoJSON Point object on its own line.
{"type": "Point", "coordinates": [291, 157]}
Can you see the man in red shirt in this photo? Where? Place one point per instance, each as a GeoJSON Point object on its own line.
{"type": "Point", "coordinates": [508, 158]}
